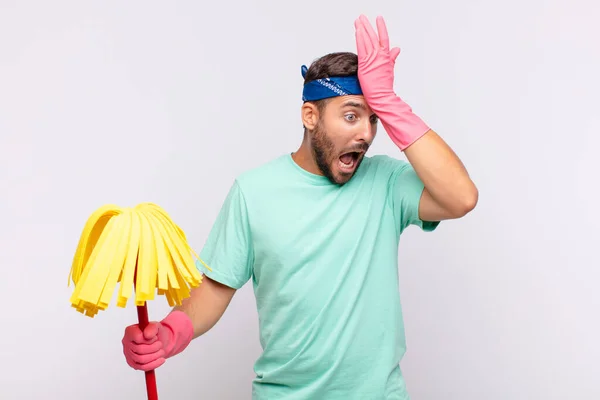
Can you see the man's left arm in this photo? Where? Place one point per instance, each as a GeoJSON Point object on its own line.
{"type": "Point", "coordinates": [449, 191]}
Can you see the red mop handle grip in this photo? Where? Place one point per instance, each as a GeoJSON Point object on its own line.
{"type": "Point", "coordinates": [142, 312]}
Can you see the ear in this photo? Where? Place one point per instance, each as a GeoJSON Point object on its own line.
{"type": "Point", "coordinates": [309, 115]}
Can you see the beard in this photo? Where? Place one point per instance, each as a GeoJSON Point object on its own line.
{"type": "Point", "coordinates": [326, 156]}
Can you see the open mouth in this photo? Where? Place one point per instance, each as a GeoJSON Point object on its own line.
{"type": "Point", "coordinates": [349, 161]}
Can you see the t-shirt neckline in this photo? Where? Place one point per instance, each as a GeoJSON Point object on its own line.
{"type": "Point", "coordinates": [314, 178]}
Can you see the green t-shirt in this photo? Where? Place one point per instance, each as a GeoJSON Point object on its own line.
{"type": "Point", "coordinates": [323, 260]}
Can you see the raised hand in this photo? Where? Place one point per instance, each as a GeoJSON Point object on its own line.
{"type": "Point", "coordinates": [376, 60]}
{"type": "Point", "coordinates": [376, 63]}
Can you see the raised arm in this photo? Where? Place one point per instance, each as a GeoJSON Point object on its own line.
{"type": "Point", "coordinates": [449, 192]}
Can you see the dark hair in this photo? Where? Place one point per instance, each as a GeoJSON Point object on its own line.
{"type": "Point", "coordinates": [333, 64]}
{"type": "Point", "coordinates": [329, 65]}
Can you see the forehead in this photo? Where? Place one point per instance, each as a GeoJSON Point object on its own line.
{"type": "Point", "coordinates": [356, 102]}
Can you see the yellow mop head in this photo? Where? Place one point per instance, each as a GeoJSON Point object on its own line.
{"type": "Point", "coordinates": [124, 245]}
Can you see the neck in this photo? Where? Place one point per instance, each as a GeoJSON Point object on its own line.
{"type": "Point", "coordinates": [305, 158]}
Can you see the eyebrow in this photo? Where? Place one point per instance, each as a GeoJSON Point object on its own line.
{"type": "Point", "coordinates": [352, 103]}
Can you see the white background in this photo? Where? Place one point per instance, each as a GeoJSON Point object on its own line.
{"type": "Point", "coordinates": [127, 102]}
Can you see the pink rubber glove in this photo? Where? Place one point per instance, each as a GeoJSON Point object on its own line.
{"type": "Point", "coordinates": [376, 63]}
{"type": "Point", "coordinates": [149, 349]}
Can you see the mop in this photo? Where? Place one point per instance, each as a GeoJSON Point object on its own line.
{"type": "Point", "coordinates": [142, 249]}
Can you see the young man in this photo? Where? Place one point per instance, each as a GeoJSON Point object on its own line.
{"type": "Point", "coordinates": [317, 232]}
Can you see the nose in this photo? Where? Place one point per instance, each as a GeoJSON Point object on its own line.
{"type": "Point", "coordinates": [367, 131]}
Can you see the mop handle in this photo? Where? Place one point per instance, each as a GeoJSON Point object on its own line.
{"type": "Point", "coordinates": [142, 312]}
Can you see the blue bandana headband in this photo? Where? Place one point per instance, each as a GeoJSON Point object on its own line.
{"type": "Point", "coordinates": [319, 89]}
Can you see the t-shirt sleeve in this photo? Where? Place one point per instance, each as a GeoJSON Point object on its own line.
{"type": "Point", "coordinates": [228, 250]}
{"type": "Point", "coordinates": [406, 192]}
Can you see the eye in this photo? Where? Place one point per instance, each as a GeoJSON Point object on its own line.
{"type": "Point", "coordinates": [350, 117]}
{"type": "Point", "coordinates": [374, 119]}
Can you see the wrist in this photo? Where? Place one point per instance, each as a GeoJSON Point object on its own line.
{"type": "Point", "coordinates": [178, 331]}
{"type": "Point", "coordinates": [402, 125]}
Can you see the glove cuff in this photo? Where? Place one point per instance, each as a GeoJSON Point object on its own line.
{"type": "Point", "coordinates": [180, 330]}
{"type": "Point", "coordinates": [402, 125]}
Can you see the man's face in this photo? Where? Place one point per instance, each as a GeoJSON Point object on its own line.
{"type": "Point", "coordinates": [339, 141]}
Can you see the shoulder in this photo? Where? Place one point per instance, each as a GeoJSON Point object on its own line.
{"type": "Point", "coordinates": [260, 173]}
{"type": "Point", "coordinates": [259, 178]}
{"type": "Point", "coordinates": [384, 166]}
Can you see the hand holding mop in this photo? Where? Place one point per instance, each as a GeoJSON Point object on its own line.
{"type": "Point", "coordinates": [144, 251]}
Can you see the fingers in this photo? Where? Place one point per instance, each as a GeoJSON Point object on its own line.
{"type": "Point", "coordinates": [366, 36]}
{"type": "Point", "coordinates": [361, 41]}
{"type": "Point", "coordinates": [143, 350]}
{"type": "Point", "coordinates": [151, 331]}
{"type": "Point", "coordinates": [368, 29]}
{"type": "Point", "coordinates": [384, 40]}
{"type": "Point", "coordinates": [152, 365]}
{"type": "Point", "coordinates": [394, 53]}
{"type": "Point", "coordinates": [134, 334]}
{"type": "Point", "coordinates": [146, 362]}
